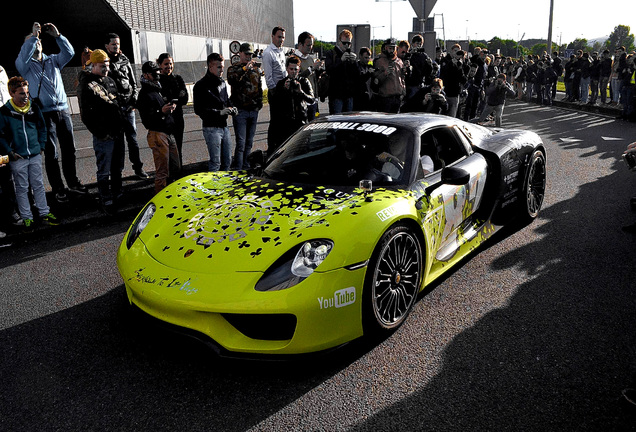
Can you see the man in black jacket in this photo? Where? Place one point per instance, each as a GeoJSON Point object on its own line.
{"type": "Point", "coordinates": [342, 68]}
{"type": "Point", "coordinates": [156, 115]}
{"type": "Point", "coordinates": [496, 99]}
{"type": "Point", "coordinates": [212, 104]}
{"type": "Point", "coordinates": [122, 73]}
{"type": "Point", "coordinates": [100, 112]}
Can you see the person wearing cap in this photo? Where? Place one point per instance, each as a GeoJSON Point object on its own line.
{"type": "Point", "coordinates": [44, 73]}
{"type": "Point", "coordinates": [100, 112]}
{"type": "Point", "coordinates": [156, 116]}
{"type": "Point", "coordinates": [247, 96]}
{"type": "Point", "coordinates": [341, 66]}
{"type": "Point", "coordinates": [389, 78]}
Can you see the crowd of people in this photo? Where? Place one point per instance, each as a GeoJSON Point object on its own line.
{"type": "Point", "coordinates": [35, 117]}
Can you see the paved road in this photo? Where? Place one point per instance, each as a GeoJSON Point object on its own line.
{"type": "Point", "coordinates": [535, 332]}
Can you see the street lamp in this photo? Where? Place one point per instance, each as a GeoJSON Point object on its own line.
{"type": "Point", "coordinates": [373, 39]}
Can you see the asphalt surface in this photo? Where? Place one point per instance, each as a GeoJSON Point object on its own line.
{"type": "Point", "coordinates": [534, 332]}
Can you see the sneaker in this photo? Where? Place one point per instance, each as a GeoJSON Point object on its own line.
{"type": "Point", "coordinates": [79, 188]}
{"type": "Point", "coordinates": [108, 207]}
{"type": "Point", "coordinates": [61, 197]}
{"type": "Point", "coordinates": [50, 220]}
{"type": "Point", "coordinates": [141, 174]}
{"type": "Point", "coordinates": [28, 225]}
{"type": "Point", "coordinates": [17, 220]}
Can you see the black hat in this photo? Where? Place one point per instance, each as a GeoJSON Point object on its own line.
{"type": "Point", "coordinates": [150, 67]}
{"type": "Point", "coordinates": [390, 41]}
{"type": "Point", "coordinates": [246, 48]}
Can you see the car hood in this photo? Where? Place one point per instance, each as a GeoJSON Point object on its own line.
{"type": "Point", "coordinates": [228, 222]}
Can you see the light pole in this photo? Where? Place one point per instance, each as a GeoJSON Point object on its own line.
{"type": "Point", "coordinates": [373, 39]}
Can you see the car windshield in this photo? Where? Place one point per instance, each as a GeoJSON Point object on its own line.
{"type": "Point", "coordinates": [342, 154]}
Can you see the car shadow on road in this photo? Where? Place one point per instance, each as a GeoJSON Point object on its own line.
{"type": "Point", "coordinates": [557, 354]}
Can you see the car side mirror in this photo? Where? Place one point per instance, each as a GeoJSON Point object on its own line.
{"type": "Point", "coordinates": [455, 176]}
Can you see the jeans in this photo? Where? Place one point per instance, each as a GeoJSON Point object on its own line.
{"type": "Point", "coordinates": [453, 104]}
{"type": "Point", "coordinates": [109, 156]}
{"type": "Point", "coordinates": [584, 89]}
{"type": "Point", "coordinates": [498, 109]}
{"type": "Point", "coordinates": [244, 130]}
{"type": "Point", "coordinates": [166, 157]}
{"type": "Point", "coordinates": [219, 147]}
{"type": "Point", "coordinates": [603, 88]}
{"type": "Point", "coordinates": [130, 131]}
{"type": "Point", "coordinates": [59, 128]}
{"type": "Point", "coordinates": [616, 89]}
{"type": "Point", "coordinates": [337, 106]}
{"type": "Point", "coordinates": [27, 173]}
{"type": "Point", "coordinates": [594, 90]}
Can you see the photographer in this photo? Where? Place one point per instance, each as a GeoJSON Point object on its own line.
{"type": "Point", "coordinates": [452, 73]}
{"type": "Point", "coordinates": [430, 99]}
{"type": "Point", "coordinates": [157, 115]}
{"type": "Point", "coordinates": [247, 96]}
{"type": "Point", "coordinates": [292, 96]}
{"type": "Point", "coordinates": [342, 68]}
{"type": "Point", "coordinates": [44, 73]}
{"type": "Point", "coordinates": [362, 99]}
{"type": "Point", "coordinates": [389, 77]}
{"type": "Point", "coordinates": [421, 67]}
{"type": "Point", "coordinates": [496, 99]}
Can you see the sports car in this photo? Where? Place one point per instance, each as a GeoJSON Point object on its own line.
{"type": "Point", "coordinates": [332, 236]}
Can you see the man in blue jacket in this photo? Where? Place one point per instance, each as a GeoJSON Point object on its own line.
{"type": "Point", "coordinates": [23, 137]}
{"type": "Point", "coordinates": [43, 73]}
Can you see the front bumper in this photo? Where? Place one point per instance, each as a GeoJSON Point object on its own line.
{"type": "Point", "coordinates": [321, 312]}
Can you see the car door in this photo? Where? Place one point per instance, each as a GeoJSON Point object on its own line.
{"type": "Point", "coordinates": [447, 208]}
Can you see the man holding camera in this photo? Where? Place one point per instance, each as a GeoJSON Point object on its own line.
{"type": "Point", "coordinates": [47, 89]}
{"type": "Point", "coordinates": [156, 116]}
{"type": "Point", "coordinates": [389, 77]}
{"type": "Point", "coordinates": [496, 99]}
{"type": "Point", "coordinates": [421, 73]}
{"type": "Point", "coordinates": [213, 105]}
{"type": "Point", "coordinates": [247, 97]}
{"type": "Point", "coordinates": [292, 96]}
{"type": "Point", "coordinates": [342, 68]}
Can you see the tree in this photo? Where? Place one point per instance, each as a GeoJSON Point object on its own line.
{"type": "Point", "coordinates": [620, 37]}
{"type": "Point", "coordinates": [539, 49]}
{"type": "Point", "coordinates": [578, 44]}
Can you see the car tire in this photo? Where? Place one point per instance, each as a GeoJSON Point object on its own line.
{"type": "Point", "coordinates": [392, 281]}
{"type": "Point", "coordinates": [533, 191]}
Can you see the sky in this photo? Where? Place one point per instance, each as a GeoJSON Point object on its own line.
{"type": "Point", "coordinates": [478, 20]}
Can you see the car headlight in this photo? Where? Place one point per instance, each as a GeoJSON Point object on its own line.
{"type": "Point", "coordinates": [310, 256]}
{"type": "Point", "coordinates": [140, 224]}
{"type": "Point", "coordinates": [296, 265]}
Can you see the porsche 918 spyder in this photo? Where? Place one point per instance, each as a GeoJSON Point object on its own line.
{"type": "Point", "coordinates": [333, 236]}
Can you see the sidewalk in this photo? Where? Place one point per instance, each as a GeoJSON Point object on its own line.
{"type": "Point", "coordinates": [84, 210]}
